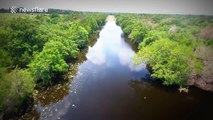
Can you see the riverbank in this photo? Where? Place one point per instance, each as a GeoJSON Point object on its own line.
{"type": "Point", "coordinates": [144, 30]}
{"type": "Point", "coordinates": [112, 90]}
{"type": "Point", "coordinates": [103, 83]}
{"type": "Point", "coordinates": [57, 92]}
{"type": "Point", "coordinates": [41, 54]}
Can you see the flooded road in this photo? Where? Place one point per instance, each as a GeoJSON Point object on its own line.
{"type": "Point", "coordinates": [108, 86]}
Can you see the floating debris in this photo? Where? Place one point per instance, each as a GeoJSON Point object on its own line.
{"type": "Point", "coordinates": [73, 105]}
{"type": "Point", "coordinates": [185, 90]}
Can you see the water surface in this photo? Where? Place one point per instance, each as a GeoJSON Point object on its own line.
{"type": "Point", "coordinates": [108, 86]}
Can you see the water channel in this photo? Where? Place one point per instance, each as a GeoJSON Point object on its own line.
{"type": "Point", "coordinates": [108, 86]}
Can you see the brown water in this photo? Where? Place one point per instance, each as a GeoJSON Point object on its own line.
{"type": "Point", "coordinates": [108, 86]}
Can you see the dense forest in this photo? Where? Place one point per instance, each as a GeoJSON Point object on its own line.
{"type": "Point", "coordinates": [35, 49]}
{"type": "Point", "coordinates": [176, 48]}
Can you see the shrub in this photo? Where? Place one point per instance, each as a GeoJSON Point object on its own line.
{"type": "Point", "coordinates": [168, 60]}
{"type": "Point", "coordinates": [52, 60]}
{"type": "Point", "coordinates": [16, 87]}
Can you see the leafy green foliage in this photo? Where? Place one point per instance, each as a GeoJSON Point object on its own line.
{"type": "Point", "coordinates": [44, 43]}
{"type": "Point", "coordinates": [63, 41]}
{"type": "Point", "coordinates": [167, 43]}
{"type": "Point", "coordinates": [181, 37]}
{"type": "Point", "coordinates": [52, 59]}
{"type": "Point", "coordinates": [78, 34]}
{"type": "Point", "coordinates": [23, 41]}
{"type": "Point", "coordinates": [15, 86]}
{"type": "Point", "coordinates": [138, 33]}
{"type": "Point", "coordinates": [198, 67]}
{"type": "Point", "coordinates": [209, 43]}
{"type": "Point", "coordinates": [152, 36]}
{"type": "Point", "coordinates": [89, 24]}
{"type": "Point", "coordinates": [4, 37]}
{"type": "Point", "coordinates": [168, 60]}
{"type": "Point", "coordinates": [5, 59]}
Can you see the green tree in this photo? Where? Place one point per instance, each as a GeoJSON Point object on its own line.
{"type": "Point", "coordinates": [4, 37]}
{"type": "Point", "coordinates": [168, 60]}
{"type": "Point", "coordinates": [5, 59]}
{"type": "Point", "coordinates": [78, 34]}
{"type": "Point", "coordinates": [51, 60]}
{"type": "Point", "coordinates": [22, 43]}
{"type": "Point", "coordinates": [151, 36]}
{"type": "Point", "coordinates": [138, 33]}
{"type": "Point", "coordinates": [16, 87]}
{"type": "Point", "coordinates": [89, 23]}
{"type": "Point", "coordinates": [181, 37]}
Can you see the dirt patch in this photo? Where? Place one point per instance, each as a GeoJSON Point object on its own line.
{"type": "Point", "coordinates": [207, 33]}
{"type": "Point", "coordinates": [205, 79]}
{"type": "Point", "coordinates": [149, 22]}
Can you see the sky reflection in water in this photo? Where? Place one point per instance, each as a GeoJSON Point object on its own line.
{"type": "Point", "coordinates": [101, 80]}
{"type": "Point", "coordinates": [111, 46]}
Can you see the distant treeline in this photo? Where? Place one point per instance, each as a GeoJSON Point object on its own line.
{"type": "Point", "coordinates": [3, 10]}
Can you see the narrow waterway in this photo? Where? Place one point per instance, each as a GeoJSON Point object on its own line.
{"type": "Point", "coordinates": [108, 86]}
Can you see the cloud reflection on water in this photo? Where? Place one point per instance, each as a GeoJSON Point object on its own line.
{"type": "Point", "coordinates": [110, 43]}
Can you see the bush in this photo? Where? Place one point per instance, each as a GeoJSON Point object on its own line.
{"type": "Point", "coordinates": [181, 37]}
{"type": "Point", "coordinates": [151, 36]}
{"type": "Point", "coordinates": [5, 59]}
{"type": "Point", "coordinates": [51, 60]}
{"type": "Point", "coordinates": [89, 23]}
{"type": "Point", "coordinates": [78, 34]}
{"type": "Point", "coordinates": [138, 33]}
{"type": "Point", "coordinates": [16, 87]}
{"type": "Point", "coordinates": [168, 60]}
{"type": "Point", "coordinates": [22, 43]}
{"type": "Point", "coordinates": [209, 43]}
